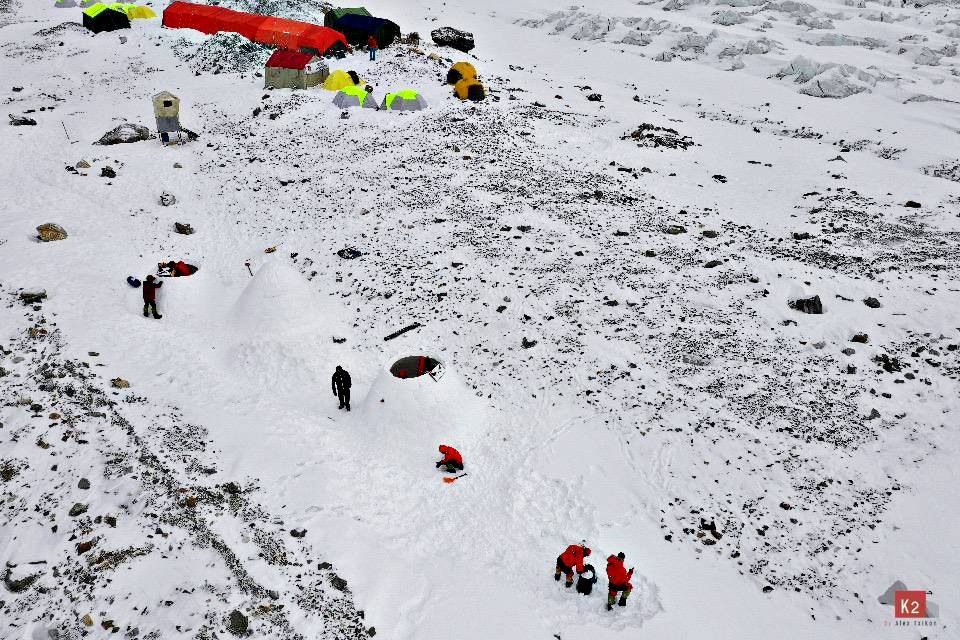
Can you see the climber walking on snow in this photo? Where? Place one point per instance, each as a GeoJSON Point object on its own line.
{"type": "Point", "coordinates": [150, 287]}
{"type": "Point", "coordinates": [341, 387]}
{"type": "Point", "coordinates": [452, 460]}
{"type": "Point", "coordinates": [373, 45]}
{"type": "Point", "coordinates": [619, 579]}
{"type": "Point", "coordinates": [570, 560]}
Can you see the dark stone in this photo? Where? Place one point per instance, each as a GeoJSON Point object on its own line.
{"type": "Point", "coordinates": [77, 509]}
{"type": "Point", "coordinates": [526, 344]}
{"type": "Point", "coordinates": [33, 297]}
{"type": "Point", "coordinates": [338, 583]}
{"type": "Point", "coordinates": [125, 133]}
{"type": "Point", "coordinates": [83, 484]}
{"type": "Point", "coordinates": [767, 589]}
{"type": "Point", "coordinates": [298, 533]}
{"type": "Point", "coordinates": [912, 204]}
{"type": "Point", "coordinates": [873, 303]}
{"type": "Point", "coordinates": [807, 305]}
{"type": "Point", "coordinates": [713, 263]}
{"type": "Point", "coordinates": [18, 585]}
{"type": "Point", "coordinates": [232, 488]}
{"type": "Point", "coordinates": [710, 233]}
{"type": "Point", "coordinates": [454, 38]}
{"type": "Point", "coordinates": [237, 623]}
{"type": "Point", "coordinates": [20, 121]}
{"type": "Point", "coordinates": [595, 97]}
{"type": "Point", "coordinates": [675, 229]}
{"type": "Point", "coordinates": [801, 235]}
{"type": "Point", "coordinates": [860, 337]}
{"type": "Point", "coordinates": [108, 172]}
{"type": "Point", "coordinates": [183, 228]}
{"type": "Point", "coordinates": [719, 178]}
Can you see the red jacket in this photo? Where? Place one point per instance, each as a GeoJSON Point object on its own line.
{"type": "Point", "coordinates": [372, 42]}
{"type": "Point", "coordinates": [616, 573]}
{"type": "Point", "coordinates": [573, 557]}
{"type": "Point", "coordinates": [150, 291]}
{"type": "Point", "coordinates": [450, 455]}
{"type": "Point", "coordinates": [182, 268]}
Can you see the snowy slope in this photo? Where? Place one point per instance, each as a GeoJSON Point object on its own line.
{"type": "Point", "coordinates": [670, 384]}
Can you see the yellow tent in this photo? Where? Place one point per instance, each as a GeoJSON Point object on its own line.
{"type": "Point", "coordinates": [461, 71]}
{"type": "Point", "coordinates": [470, 89]}
{"type": "Point", "coordinates": [138, 12]}
{"type": "Point", "coordinates": [338, 80]}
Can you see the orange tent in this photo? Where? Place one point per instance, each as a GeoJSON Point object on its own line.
{"type": "Point", "coordinates": [275, 32]}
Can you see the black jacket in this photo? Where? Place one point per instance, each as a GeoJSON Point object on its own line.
{"type": "Point", "coordinates": [340, 381]}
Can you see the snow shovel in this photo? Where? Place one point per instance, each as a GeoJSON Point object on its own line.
{"type": "Point", "coordinates": [453, 479]}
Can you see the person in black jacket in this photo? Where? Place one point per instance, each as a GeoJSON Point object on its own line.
{"type": "Point", "coordinates": [150, 287]}
{"type": "Point", "coordinates": [341, 387]}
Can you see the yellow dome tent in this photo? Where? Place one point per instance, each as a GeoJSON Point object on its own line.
{"type": "Point", "coordinates": [470, 89]}
{"type": "Point", "coordinates": [461, 71]}
{"type": "Point", "coordinates": [340, 79]}
{"type": "Point", "coordinates": [133, 11]}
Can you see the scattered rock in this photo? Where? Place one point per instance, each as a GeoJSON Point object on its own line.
{"type": "Point", "coordinates": [298, 533]}
{"type": "Point", "coordinates": [807, 305]}
{"type": "Point", "coordinates": [20, 121]}
{"type": "Point", "coordinates": [33, 296]}
{"type": "Point", "coordinates": [675, 229]}
{"type": "Point", "coordinates": [801, 235]}
{"type": "Point", "coordinates": [526, 344]}
{"type": "Point", "coordinates": [120, 383]}
{"type": "Point", "coordinates": [649, 135]}
{"type": "Point", "coordinates": [454, 38]}
{"type": "Point", "coordinates": [912, 204]}
{"type": "Point", "coordinates": [720, 178]}
{"type": "Point", "coordinates": [87, 620]}
{"type": "Point", "coordinates": [874, 414]}
{"type": "Point", "coordinates": [595, 97]}
{"type": "Point", "coordinates": [18, 585]}
{"type": "Point", "coordinates": [849, 351]}
{"type": "Point", "coordinates": [873, 303]}
{"type": "Point", "coordinates": [713, 263]}
{"type": "Point", "coordinates": [710, 233]}
{"type": "Point", "coordinates": [49, 232]}
{"type": "Point", "coordinates": [83, 164]}
{"type": "Point", "coordinates": [83, 547]}
{"type": "Point", "coordinates": [349, 253]}
{"type": "Point", "coordinates": [337, 582]}
{"type": "Point", "coordinates": [860, 337]}
{"type": "Point", "coordinates": [183, 228]}
{"type": "Point", "coordinates": [125, 133]}
{"type": "Point", "coordinates": [167, 199]}
{"type": "Point", "coordinates": [177, 165]}
{"type": "Point", "coordinates": [767, 589]}
{"type": "Point", "coordinates": [77, 509]}
{"type": "Point", "coordinates": [108, 172]}
{"type": "Point", "coordinates": [83, 484]}
{"type": "Point", "coordinates": [237, 623]}
{"type": "Point", "coordinates": [697, 361]}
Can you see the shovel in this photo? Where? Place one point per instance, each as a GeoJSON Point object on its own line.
{"type": "Point", "coordinates": [453, 479]}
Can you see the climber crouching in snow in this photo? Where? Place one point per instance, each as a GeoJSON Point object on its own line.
{"type": "Point", "coordinates": [619, 579]}
{"type": "Point", "coordinates": [570, 560]}
{"type": "Point", "coordinates": [452, 460]}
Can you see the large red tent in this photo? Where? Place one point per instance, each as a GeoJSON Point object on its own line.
{"type": "Point", "coordinates": [275, 32]}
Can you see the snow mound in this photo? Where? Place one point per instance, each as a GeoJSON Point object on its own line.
{"type": "Point", "coordinates": [828, 80]}
{"type": "Point", "coordinates": [279, 301]}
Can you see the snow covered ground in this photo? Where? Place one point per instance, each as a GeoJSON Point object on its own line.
{"type": "Point", "coordinates": [621, 364]}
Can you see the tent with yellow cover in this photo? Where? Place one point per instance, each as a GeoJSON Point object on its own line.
{"type": "Point", "coordinates": [461, 71]}
{"type": "Point", "coordinates": [470, 89]}
{"type": "Point", "coordinates": [340, 79]}
{"type": "Point", "coordinates": [406, 100]}
{"type": "Point", "coordinates": [139, 12]}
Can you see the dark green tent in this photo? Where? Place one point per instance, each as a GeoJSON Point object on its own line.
{"type": "Point", "coordinates": [330, 17]}
{"type": "Point", "coordinates": [100, 17]}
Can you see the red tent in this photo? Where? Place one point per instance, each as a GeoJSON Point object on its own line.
{"type": "Point", "coordinates": [275, 32]}
{"type": "Point", "coordinates": [289, 59]}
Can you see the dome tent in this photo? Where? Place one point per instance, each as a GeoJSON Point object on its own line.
{"type": "Point", "coordinates": [461, 71]}
{"type": "Point", "coordinates": [101, 17]}
{"type": "Point", "coordinates": [331, 16]}
{"type": "Point", "coordinates": [65, 4]}
{"type": "Point", "coordinates": [354, 96]}
{"type": "Point", "coordinates": [406, 100]}
{"type": "Point", "coordinates": [357, 28]}
{"type": "Point", "coordinates": [340, 79]}
{"type": "Point", "coordinates": [470, 89]}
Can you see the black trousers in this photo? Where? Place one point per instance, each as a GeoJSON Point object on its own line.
{"type": "Point", "coordinates": [343, 395]}
{"type": "Point", "coordinates": [150, 305]}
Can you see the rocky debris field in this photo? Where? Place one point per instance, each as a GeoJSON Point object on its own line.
{"type": "Point", "coordinates": [104, 493]}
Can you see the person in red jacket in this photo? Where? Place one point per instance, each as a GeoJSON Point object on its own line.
{"type": "Point", "coordinates": [150, 287]}
{"type": "Point", "coordinates": [373, 45]}
{"type": "Point", "coordinates": [570, 560]}
{"type": "Point", "coordinates": [619, 579]}
{"type": "Point", "coordinates": [452, 460]}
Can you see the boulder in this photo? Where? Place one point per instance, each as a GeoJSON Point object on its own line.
{"type": "Point", "coordinates": [167, 199]}
{"type": "Point", "coordinates": [298, 533]}
{"type": "Point", "coordinates": [862, 338]}
{"type": "Point", "coordinates": [237, 623]}
{"type": "Point", "coordinates": [108, 172]}
{"type": "Point", "coordinates": [183, 228]}
{"type": "Point", "coordinates": [33, 296]}
{"type": "Point", "coordinates": [912, 204]}
{"type": "Point", "coordinates": [453, 38]}
{"type": "Point", "coordinates": [873, 303]}
{"type": "Point", "coordinates": [20, 121]}
{"type": "Point", "coordinates": [83, 164]}
{"type": "Point", "coordinates": [48, 232]}
{"type": "Point", "coordinates": [807, 305]}
{"type": "Point", "coordinates": [120, 383]}
{"type": "Point", "coordinates": [126, 132]}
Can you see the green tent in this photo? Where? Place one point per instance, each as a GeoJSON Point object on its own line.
{"type": "Point", "coordinates": [406, 100]}
{"type": "Point", "coordinates": [331, 17]}
{"type": "Point", "coordinates": [101, 17]}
